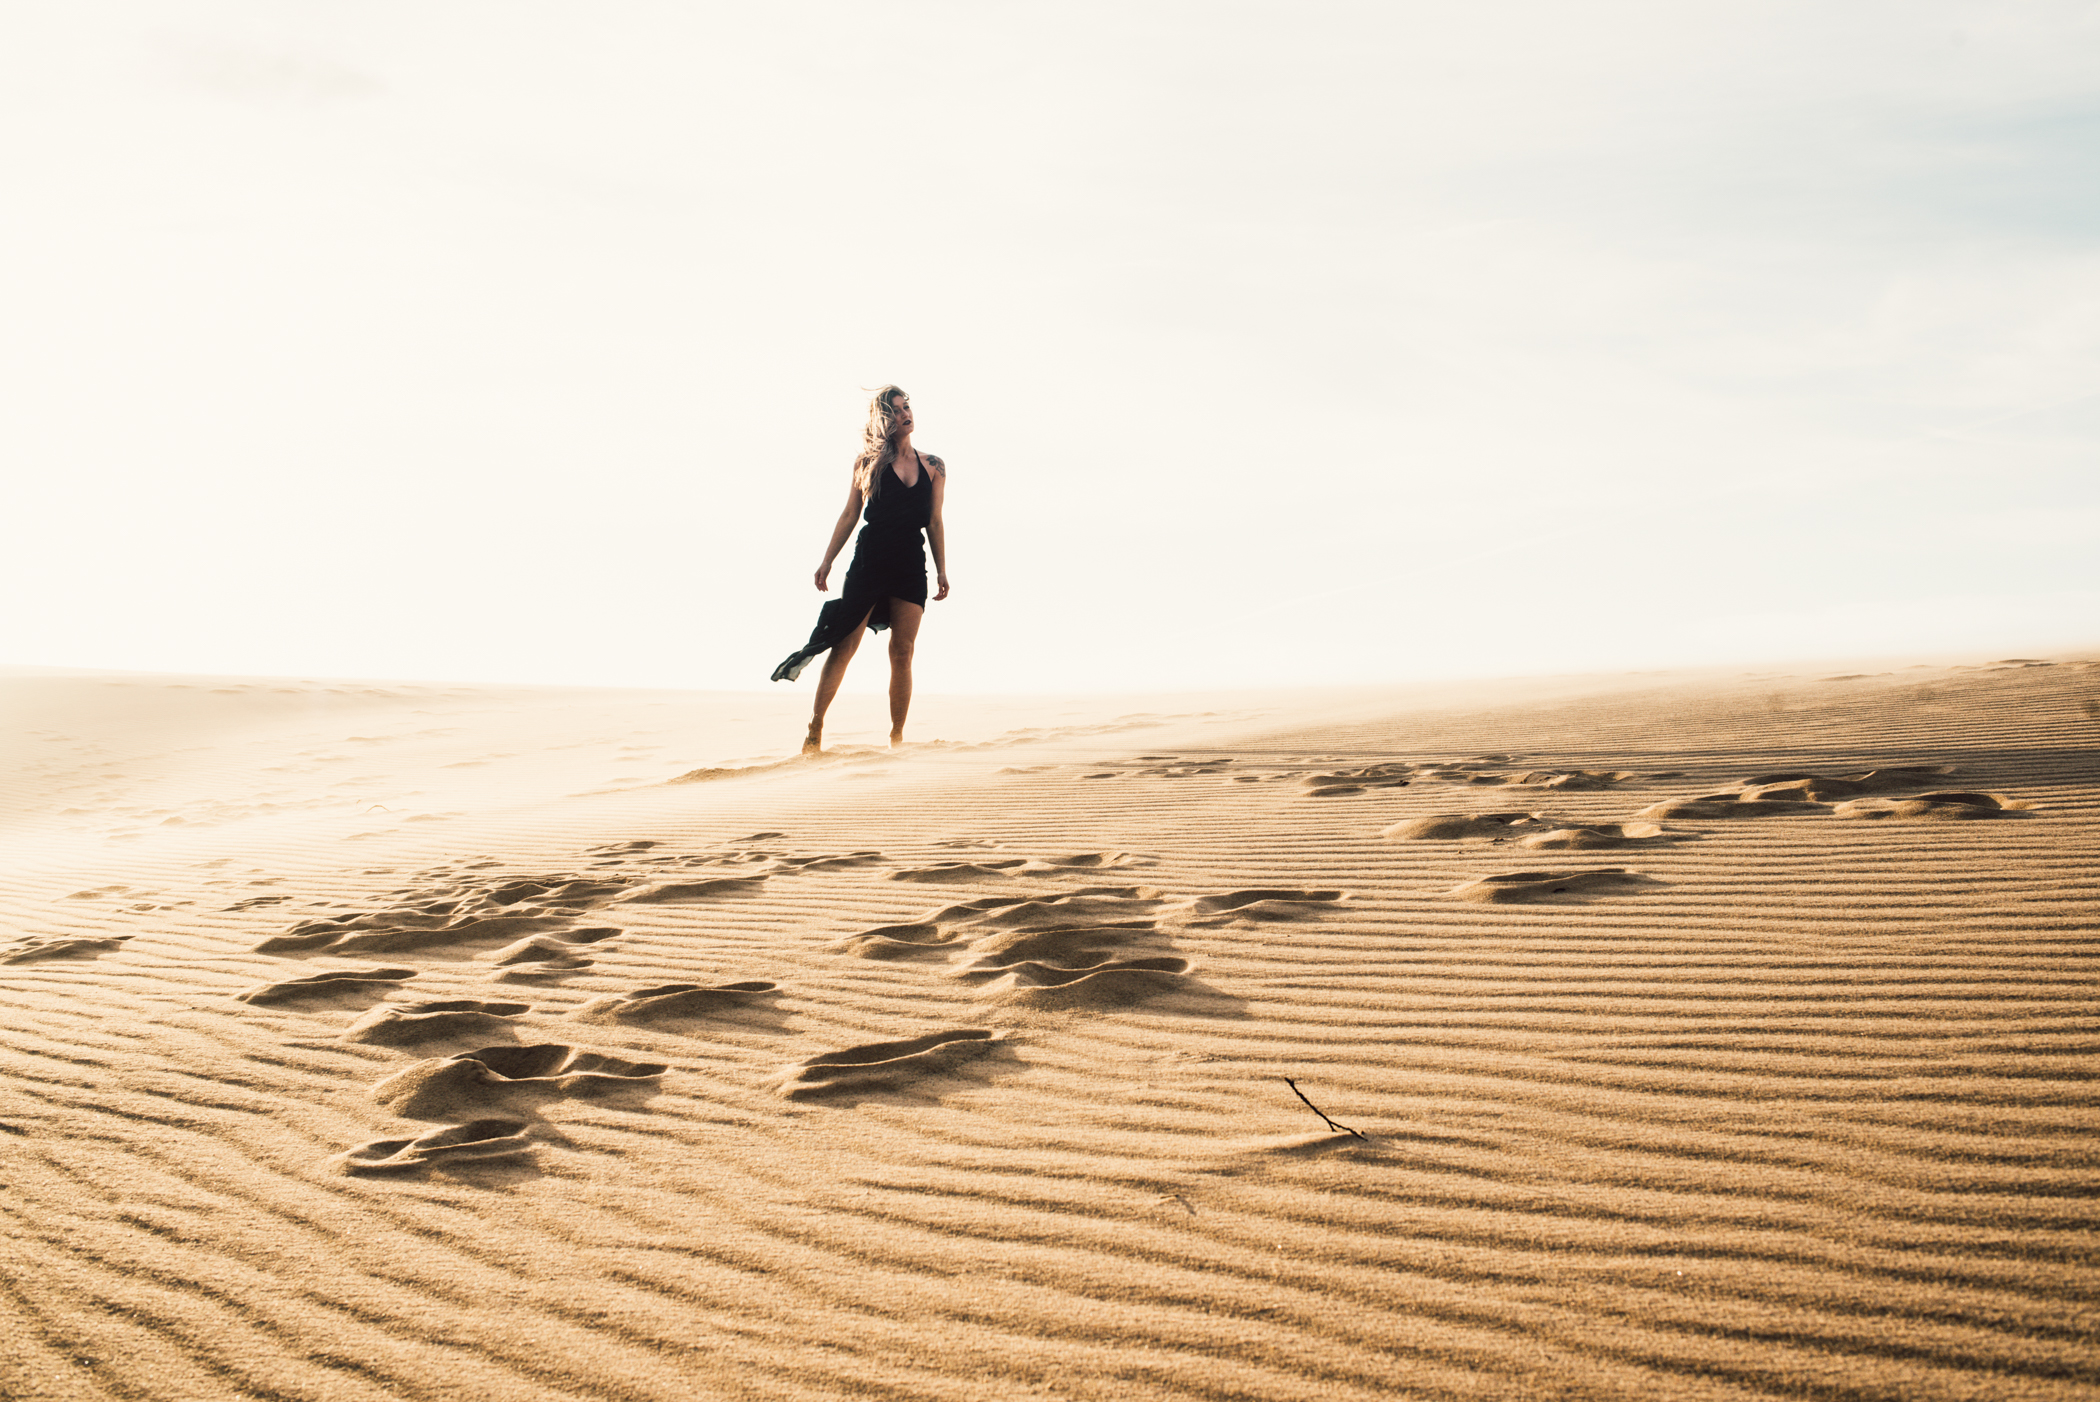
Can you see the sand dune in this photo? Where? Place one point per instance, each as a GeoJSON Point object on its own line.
{"type": "Point", "coordinates": [375, 1041]}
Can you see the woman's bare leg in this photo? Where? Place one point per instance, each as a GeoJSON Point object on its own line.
{"type": "Point", "coordinates": [904, 636]}
{"type": "Point", "coordinates": [835, 663]}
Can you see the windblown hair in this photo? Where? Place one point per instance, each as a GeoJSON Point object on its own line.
{"type": "Point", "coordinates": [878, 448]}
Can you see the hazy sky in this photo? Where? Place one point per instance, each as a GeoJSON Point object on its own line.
{"type": "Point", "coordinates": [1267, 343]}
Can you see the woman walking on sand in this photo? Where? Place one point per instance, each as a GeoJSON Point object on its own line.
{"type": "Point", "coordinates": [901, 489]}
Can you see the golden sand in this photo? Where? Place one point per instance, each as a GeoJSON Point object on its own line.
{"type": "Point", "coordinates": [1683, 1036]}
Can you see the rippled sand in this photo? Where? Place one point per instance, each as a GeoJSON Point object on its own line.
{"type": "Point", "coordinates": [1682, 1036]}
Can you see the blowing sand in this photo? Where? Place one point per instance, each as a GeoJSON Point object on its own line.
{"type": "Point", "coordinates": [1696, 1036]}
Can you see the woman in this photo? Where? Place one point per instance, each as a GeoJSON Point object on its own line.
{"type": "Point", "coordinates": [901, 489]}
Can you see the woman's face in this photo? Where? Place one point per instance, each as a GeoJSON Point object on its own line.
{"type": "Point", "coordinates": [901, 415]}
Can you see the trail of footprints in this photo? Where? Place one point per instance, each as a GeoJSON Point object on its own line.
{"type": "Point", "coordinates": [496, 1083]}
{"type": "Point", "coordinates": [1322, 778]}
{"type": "Point", "coordinates": [1094, 947]}
{"type": "Point", "coordinates": [1885, 793]}
{"type": "Point", "coordinates": [1864, 795]}
{"type": "Point", "coordinates": [1086, 949]}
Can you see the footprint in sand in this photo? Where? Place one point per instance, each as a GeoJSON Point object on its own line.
{"type": "Point", "coordinates": [98, 893]}
{"type": "Point", "coordinates": [1348, 781]}
{"type": "Point", "coordinates": [1481, 773]}
{"type": "Point", "coordinates": [474, 1141]}
{"type": "Point", "coordinates": [895, 942]}
{"type": "Point", "coordinates": [1110, 983]}
{"type": "Point", "coordinates": [335, 983]}
{"type": "Point", "coordinates": [1089, 903]}
{"type": "Point", "coordinates": [31, 948]}
{"type": "Point", "coordinates": [1082, 966]}
{"type": "Point", "coordinates": [498, 1076]}
{"type": "Point", "coordinates": [1768, 795]}
{"type": "Point", "coordinates": [544, 971]}
{"type": "Point", "coordinates": [383, 935]}
{"type": "Point", "coordinates": [404, 1024]}
{"type": "Point", "coordinates": [1518, 886]}
{"type": "Point", "coordinates": [833, 861]}
{"type": "Point", "coordinates": [1599, 836]}
{"type": "Point", "coordinates": [1462, 827]}
{"type": "Point", "coordinates": [1069, 950]}
{"type": "Point", "coordinates": [883, 1066]}
{"type": "Point", "coordinates": [1261, 903]}
{"type": "Point", "coordinates": [1726, 805]}
{"type": "Point", "coordinates": [672, 891]}
{"type": "Point", "coordinates": [1570, 778]}
{"type": "Point", "coordinates": [1819, 788]}
{"type": "Point", "coordinates": [745, 857]}
{"type": "Point", "coordinates": [961, 873]}
{"type": "Point", "coordinates": [1490, 773]}
{"type": "Point", "coordinates": [1941, 807]}
{"type": "Point", "coordinates": [463, 909]}
{"type": "Point", "coordinates": [556, 949]}
{"type": "Point", "coordinates": [1459, 773]}
{"type": "Point", "coordinates": [672, 1000]}
{"type": "Point", "coordinates": [1072, 946]}
{"type": "Point", "coordinates": [1109, 913]}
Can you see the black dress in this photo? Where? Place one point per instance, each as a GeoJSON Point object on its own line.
{"type": "Point", "coordinates": [889, 562]}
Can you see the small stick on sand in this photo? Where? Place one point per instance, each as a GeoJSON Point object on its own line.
{"type": "Point", "coordinates": [1322, 1113]}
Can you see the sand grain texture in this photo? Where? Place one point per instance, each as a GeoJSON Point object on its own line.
{"type": "Point", "coordinates": [959, 1073]}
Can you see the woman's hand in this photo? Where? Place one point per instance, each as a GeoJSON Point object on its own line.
{"type": "Point", "coordinates": [942, 581]}
{"type": "Point", "coordinates": [839, 533]}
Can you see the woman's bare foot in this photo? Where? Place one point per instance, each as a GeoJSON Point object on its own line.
{"type": "Point", "coordinates": [896, 739]}
{"type": "Point", "coordinates": [813, 743]}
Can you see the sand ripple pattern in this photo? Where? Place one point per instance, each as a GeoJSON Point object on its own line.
{"type": "Point", "coordinates": [1808, 1115]}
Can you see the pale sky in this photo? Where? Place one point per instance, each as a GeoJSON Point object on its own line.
{"type": "Point", "coordinates": [1268, 343]}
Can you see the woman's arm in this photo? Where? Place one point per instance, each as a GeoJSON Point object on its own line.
{"type": "Point", "coordinates": [936, 534]}
{"type": "Point", "coordinates": [843, 529]}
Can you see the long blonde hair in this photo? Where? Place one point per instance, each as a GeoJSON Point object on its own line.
{"type": "Point", "coordinates": [878, 447]}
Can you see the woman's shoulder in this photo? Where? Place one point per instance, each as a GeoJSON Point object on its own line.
{"type": "Point", "coordinates": [933, 461]}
